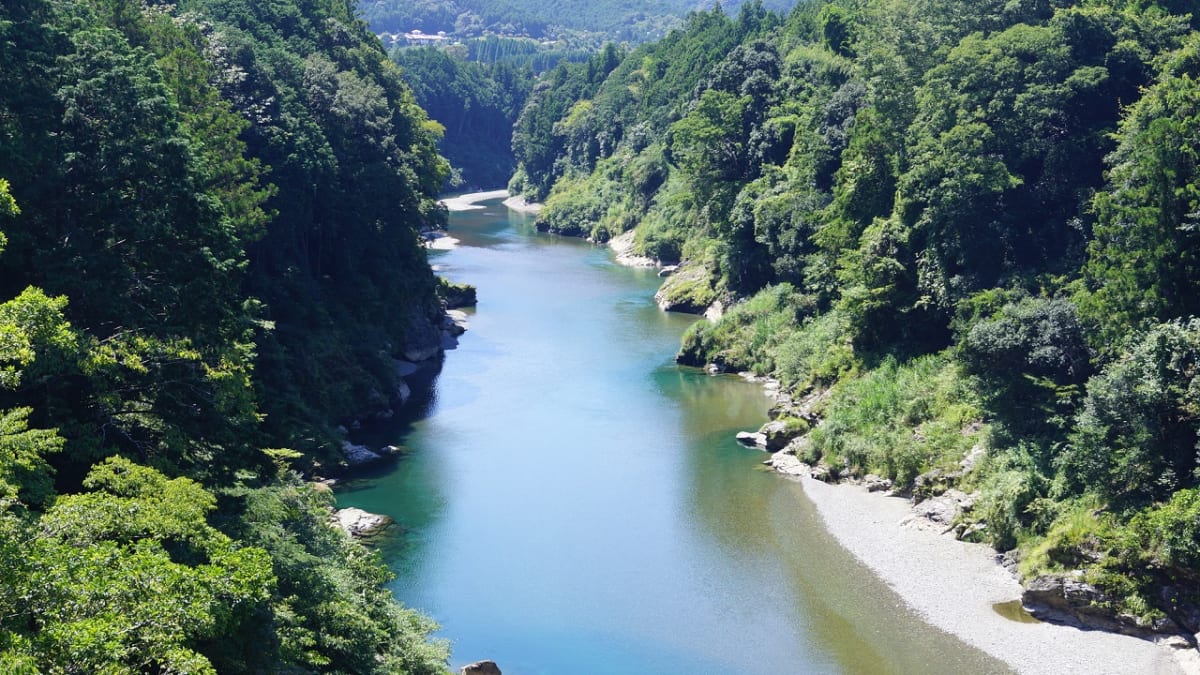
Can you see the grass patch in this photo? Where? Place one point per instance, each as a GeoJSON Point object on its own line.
{"type": "Point", "coordinates": [899, 420]}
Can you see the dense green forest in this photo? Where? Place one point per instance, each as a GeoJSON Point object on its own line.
{"type": "Point", "coordinates": [211, 257]}
{"type": "Point", "coordinates": [949, 229]}
{"type": "Point", "coordinates": [632, 21]}
{"type": "Point", "coordinates": [477, 103]}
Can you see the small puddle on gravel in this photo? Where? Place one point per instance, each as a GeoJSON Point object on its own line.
{"type": "Point", "coordinates": [1013, 611]}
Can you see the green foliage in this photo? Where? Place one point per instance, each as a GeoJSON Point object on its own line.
{"type": "Point", "coordinates": [476, 104]}
{"type": "Point", "coordinates": [165, 298]}
{"type": "Point", "coordinates": [1135, 438]}
{"type": "Point", "coordinates": [899, 419]}
{"type": "Point", "coordinates": [773, 334]}
{"type": "Point", "coordinates": [1142, 265]}
{"type": "Point", "coordinates": [330, 611]}
{"type": "Point", "coordinates": [25, 474]}
{"type": "Point", "coordinates": [128, 577]}
{"type": "Point", "coordinates": [1031, 356]}
{"type": "Point", "coordinates": [1082, 532]}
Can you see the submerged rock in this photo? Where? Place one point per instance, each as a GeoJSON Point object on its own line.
{"type": "Point", "coordinates": [358, 523]}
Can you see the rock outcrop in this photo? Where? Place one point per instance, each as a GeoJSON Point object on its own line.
{"type": "Point", "coordinates": [689, 289]}
{"type": "Point", "coordinates": [779, 433]}
{"type": "Point", "coordinates": [752, 439]}
{"type": "Point", "coordinates": [359, 455]}
{"type": "Point", "coordinates": [1065, 598]}
{"type": "Point", "coordinates": [480, 668]}
{"type": "Point", "coordinates": [423, 340]}
{"type": "Point", "coordinates": [622, 245]}
{"type": "Point", "coordinates": [358, 523]}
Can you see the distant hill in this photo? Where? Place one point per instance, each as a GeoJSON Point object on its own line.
{"type": "Point", "coordinates": [622, 20]}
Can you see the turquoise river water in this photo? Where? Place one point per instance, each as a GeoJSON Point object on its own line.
{"type": "Point", "coordinates": [572, 502]}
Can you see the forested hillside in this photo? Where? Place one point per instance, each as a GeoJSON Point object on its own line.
{"type": "Point", "coordinates": [210, 215]}
{"type": "Point", "coordinates": [477, 103]}
{"type": "Point", "coordinates": [951, 230]}
{"type": "Point", "coordinates": [620, 20]}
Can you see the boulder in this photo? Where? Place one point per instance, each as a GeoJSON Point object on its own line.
{"type": "Point", "coordinates": [1183, 610]}
{"type": "Point", "coordinates": [455, 321]}
{"type": "Point", "coordinates": [788, 464]}
{"type": "Point", "coordinates": [752, 439]}
{"type": "Point", "coordinates": [668, 270]}
{"type": "Point", "coordinates": [1065, 598]}
{"type": "Point", "coordinates": [359, 455]}
{"type": "Point", "coordinates": [481, 668]}
{"type": "Point", "coordinates": [779, 433]}
{"type": "Point", "coordinates": [423, 338]}
{"type": "Point", "coordinates": [358, 523]}
{"type": "Point", "coordinates": [824, 473]}
{"type": "Point", "coordinates": [875, 483]}
{"type": "Point", "coordinates": [943, 510]}
{"type": "Point", "coordinates": [457, 295]}
{"type": "Point", "coordinates": [689, 289]}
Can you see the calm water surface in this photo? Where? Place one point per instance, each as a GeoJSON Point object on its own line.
{"type": "Point", "coordinates": [574, 503]}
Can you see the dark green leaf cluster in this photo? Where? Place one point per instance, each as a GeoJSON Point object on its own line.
{"type": "Point", "coordinates": [211, 215]}
{"type": "Point", "coordinates": [476, 104]}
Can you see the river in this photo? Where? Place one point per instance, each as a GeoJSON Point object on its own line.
{"type": "Point", "coordinates": [572, 502]}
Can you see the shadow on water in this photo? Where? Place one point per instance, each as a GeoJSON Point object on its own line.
{"type": "Point", "coordinates": [425, 502]}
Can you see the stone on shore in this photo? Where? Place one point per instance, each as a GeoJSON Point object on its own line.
{"type": "Point", "coordinates": [359, 455]}
{"type": "Point", "coordinates": [1064, 598]}
{"type": "Point", "coordinates": [788, 464]}
{"type": "Point", "coordinates": [481, 668]}
{"type": "Point", "coordinates": [358, 523]}
{"type": "Point", "coordinates": [424, 339]}
{"type": "Point", "coordinates": [942, 512]}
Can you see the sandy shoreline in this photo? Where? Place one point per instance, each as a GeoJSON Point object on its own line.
{"type": "Point", "coordinates": [517, 203]}
{"type": "Point", "coordinates": [953, 585]}
{"type": "Point", "coordinates": [470, 201]}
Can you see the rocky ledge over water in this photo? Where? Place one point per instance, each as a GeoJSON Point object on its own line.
{"type": "Point", "coordinates": [359, 523]}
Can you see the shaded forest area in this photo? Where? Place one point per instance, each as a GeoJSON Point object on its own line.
{"type": "Point", "coordinates": [952, 230]}
{"type": "Point", "coordinates": [211, 215]}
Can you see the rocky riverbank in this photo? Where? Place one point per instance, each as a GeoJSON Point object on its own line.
{"type": "Point", "coordinates": [961, 588]}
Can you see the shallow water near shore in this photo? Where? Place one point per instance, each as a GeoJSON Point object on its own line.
{"type": "Point", "coordinates": [571, 501]}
